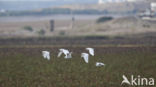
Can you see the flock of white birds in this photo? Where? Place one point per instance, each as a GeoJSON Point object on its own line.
{"type": "Point", "coordinates": [68, 55]}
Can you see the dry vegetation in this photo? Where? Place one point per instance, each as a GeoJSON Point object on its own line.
{"type": "Point", "coordinates": [126, 26]}
{"type": "Point", "coordinates": [16, 29]}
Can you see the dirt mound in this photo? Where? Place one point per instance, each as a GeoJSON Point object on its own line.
{"type": "Point", "coordinates": [121, 26]}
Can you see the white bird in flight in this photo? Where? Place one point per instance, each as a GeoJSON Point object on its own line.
{"type": "Point", "coordinates": [91, 51]}
{"type": "Point", "coordinates": [85, 57]}
{"type": "Point", "coordinates": [66, 53]}
{"type": "Point", "coordinates": [46, 54]}
{"type": "Point", "coordinates": [99, 64]}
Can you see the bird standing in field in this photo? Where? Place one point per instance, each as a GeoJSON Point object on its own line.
{"type": "Point", "coordinates": [46, 54]}
{"type": "Point", "coordinates": [85, 56]}
{"type": "Point", "coordinates": [65, 52]}
{"type": "Point", "coordinates": [91, 51]}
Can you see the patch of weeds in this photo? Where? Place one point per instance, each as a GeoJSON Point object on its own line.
{"type": "Point", "coordinates": [41, 32]}
{"type": "Point", "coordinates": [146, 26]}
{"type": "Point", "coordinates": [62, 33]}
{"type": "Point", "coordinates": [28, 28]}
{"type": "Point", "coordinates": [104, 19]}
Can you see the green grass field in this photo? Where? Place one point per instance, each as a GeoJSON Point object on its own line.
{"type": "Point", "coordinates": [25, 67]}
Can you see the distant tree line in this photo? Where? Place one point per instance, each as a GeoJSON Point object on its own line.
{"type": "Point", "coordinates": [50, 11]}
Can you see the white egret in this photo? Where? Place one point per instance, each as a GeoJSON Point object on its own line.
{"type": "Point", "coordinates": [46, 54]}
{"type": "Point", "coordinates": [91, 51]}
{"type": "Point", "coordinates": [65, 52]}
{"type": "Point", "coordinates": [99, 64]}
{"type": "Point", "coordinates": [85, 57]}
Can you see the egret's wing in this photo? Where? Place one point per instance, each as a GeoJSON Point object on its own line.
{"type": "Point", "coordinates": [59, 54]}
{"type": "Point", "coordinates": [91, 51]}
{"type": "Point", "coordinates": [48, 57]}
{"type": "Point", "coordinates": [65, 52]}
{"type": "Point", "coordinates": [103, 64]}
{"type": "Point", "coordinates": [44, 54]}
{"type": "Point", "coordinates": [61, 49]}
{"type": "Point", "coordinates": [99, 64]}
{"type": "Point", "coordinates": [86, 58]}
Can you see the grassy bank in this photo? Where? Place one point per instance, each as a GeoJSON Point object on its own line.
{"type": "Point", "coordinates": [25, 67]}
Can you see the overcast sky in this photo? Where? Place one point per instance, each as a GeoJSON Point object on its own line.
{"type": "Point", "coordinates": [36, 0]}
{"type": "Point", "coordinates": [35, 4]}
{"type": "Point", "coordinates": [62, 0]}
